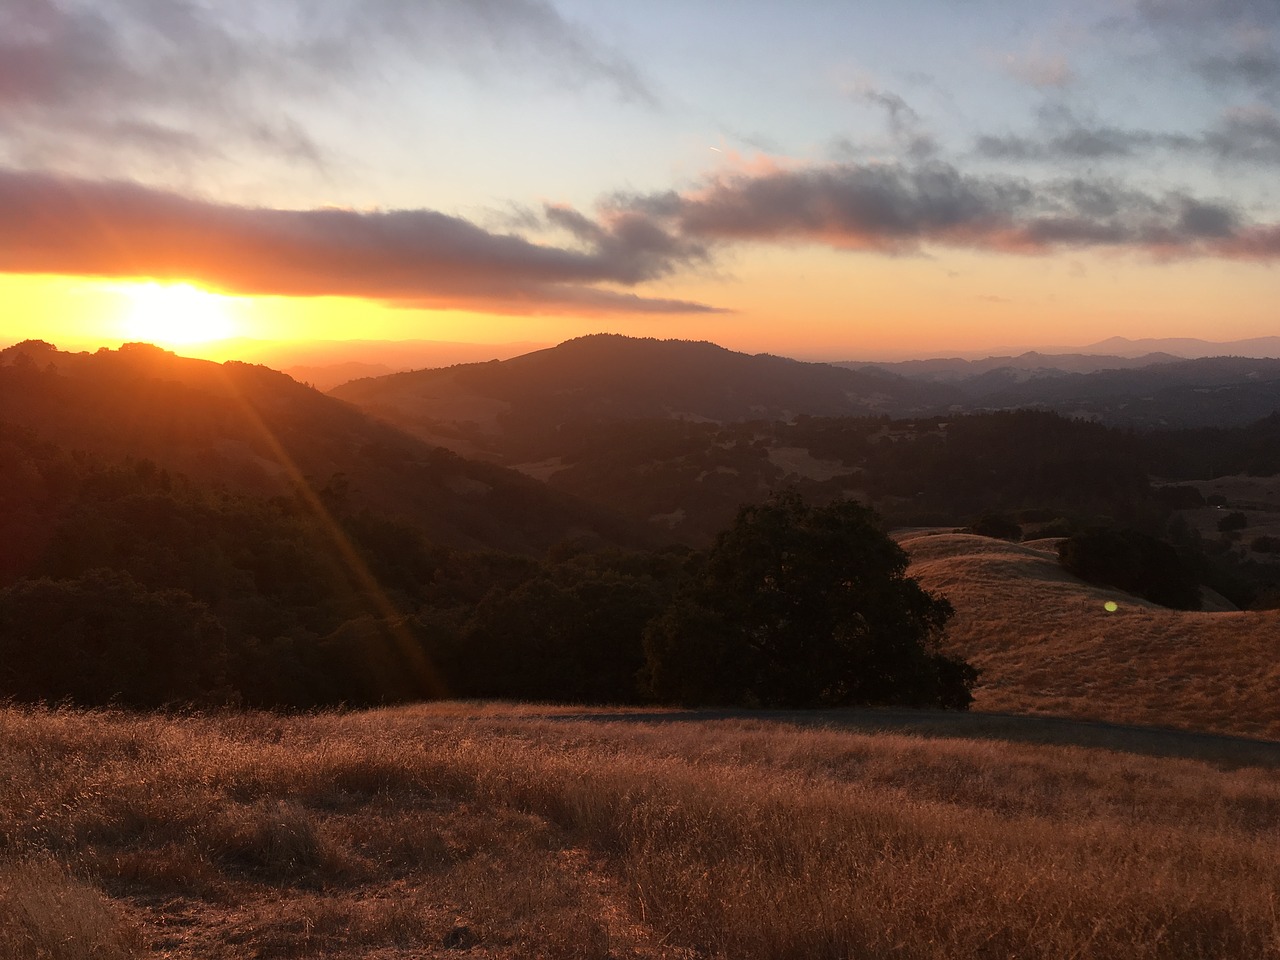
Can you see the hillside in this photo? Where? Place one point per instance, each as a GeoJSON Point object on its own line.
{"type": "Point", "coordinates": [1047, 645]}
{"type": "Point", "coordinates": [496, 406]}
{"type": "Point", "coordinates": [1148, 392]}
{"type": "Point", "coordinates": [256, 431]}
{"type": "Point", "coordinates": [1205, 392]}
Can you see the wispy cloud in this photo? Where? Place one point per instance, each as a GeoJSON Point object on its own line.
{"type": "Point", "coordinates": [409, 257]}
{"type": "Point", "coordinates": [1246, 135]}
{"type": "Point", "coordinates": [1233, 43]}
{"type": "Point", "coordinates": [906, 127]}
{"type": "Point", "coordinates": [114, 79]}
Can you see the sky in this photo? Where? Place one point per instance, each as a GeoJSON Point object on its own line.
{"type": "Point", "coordinates": [822, 179]}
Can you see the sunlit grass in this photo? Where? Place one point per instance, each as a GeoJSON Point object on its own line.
{"type": "Point", "coordinates": [1048, 644]}
{"type": "Point", "coordinates": [524, 832]}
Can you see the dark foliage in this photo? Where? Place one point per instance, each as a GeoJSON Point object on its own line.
{"type": "Point", "coordinates": [1134, 562]}
{"type": "Point", "coordinates": [997, 526]}
{"type": "Point", "coordinates": [1233, 521]}
{"type": "Point", "coordinates": [102, 638]}
{"type": "Point", "coordinates": [797, 606]}
{"type": "Point", "coordinates": [572, 632]}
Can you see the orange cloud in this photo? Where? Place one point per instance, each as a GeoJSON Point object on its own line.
{"type": "Point", "coordinates": [420, 258]}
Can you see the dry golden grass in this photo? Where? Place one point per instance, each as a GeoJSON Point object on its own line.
{"type": "Point", "coordinates": [45, 913]}
{"type": "Point", "coordinates": [523, 832]}
{"type": "Point", "coordinates": [1047, 645]}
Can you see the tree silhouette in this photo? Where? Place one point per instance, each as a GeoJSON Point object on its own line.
{"type": "Point", "coordinates": [797, 606]}
{"type": "Point", "coordinates": [1132, 561]}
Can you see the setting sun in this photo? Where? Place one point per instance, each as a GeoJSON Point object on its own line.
{"type": "Point", "coordinates": [177, 314]}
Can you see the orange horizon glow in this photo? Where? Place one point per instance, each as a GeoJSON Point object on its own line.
{"type": "Point", "coordinates": [798, 301]}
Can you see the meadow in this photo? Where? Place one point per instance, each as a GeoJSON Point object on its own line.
{"type": "Point", "coordinates": [505, 831]}
{"type": "Point", "coordinates": [1047, 644]}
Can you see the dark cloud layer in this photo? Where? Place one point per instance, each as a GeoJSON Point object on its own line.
{"type": "Point", "coordinates": [896, 208]}
{"type": "Point", "coordinates": [411, 257]}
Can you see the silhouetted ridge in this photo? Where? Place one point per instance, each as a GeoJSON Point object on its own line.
{"type": "Point", "coordinates": [254, 430]}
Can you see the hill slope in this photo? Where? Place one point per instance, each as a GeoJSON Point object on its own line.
{"type": "Point", "coordinates": [254, 430]}
{"type": "Point", "coordinates": [1047, 645]}
{"type": "Point", "coordinates": [611, 378]}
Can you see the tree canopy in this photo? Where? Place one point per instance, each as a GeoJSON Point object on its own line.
{"type": "Point", "coordinates": [1134, 562]}
{"type": "Point", "coordinates": [801, 606]}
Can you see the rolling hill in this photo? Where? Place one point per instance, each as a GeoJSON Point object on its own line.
{"type": "Point", "coordinates": [1047, 645]}
{"type": "Point", "coordinates": [498, 406]}
{"type": "Point", "coordinates": [253, 430]}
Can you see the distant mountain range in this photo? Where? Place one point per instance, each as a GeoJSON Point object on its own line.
{"type": "Point", "coordinates": [601, 436]}
{"type": "Point", "coordinates": [1028, 365]}
{"type": "Point", "coordinates": [1183, 348]}
{"type": "Point", "coordinates": [484, 409]}
{"type": "Point", "coordinates": [326, 364]}
{"type": "Point", "coordinates": [1188, 348]}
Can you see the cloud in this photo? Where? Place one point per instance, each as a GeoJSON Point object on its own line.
{"type": "Point", "coordinates": [1039, 70]}
{"type": "Point", "coordinates": [1226, 42]}
{"type": "Point", "coordinates": [900, 209]}
{"type": "Point", "coordinates": [420, 257]}
{"type": "Point", "coordinates": [1081, 143]}
{"type": "Point", "coordinates": [121, 79]}
{"type": "Point", "coordinates": [905, 125]}
{"type": "Point", "coordinates": [1247, 135]}
{"type": "Point", "coordinates": [1250, 135]}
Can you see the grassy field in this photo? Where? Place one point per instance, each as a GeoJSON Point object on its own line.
{"type": "Point", "coordinates": [1046, 643]}
{"type": "Point", "coordinates": [486, 831]}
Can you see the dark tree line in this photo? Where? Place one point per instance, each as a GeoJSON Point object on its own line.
{"type": "Point", "coordinates": [146, 590]}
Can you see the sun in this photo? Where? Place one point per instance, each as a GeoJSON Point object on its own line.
{"type": "Point", "coordinates": [177, 314]}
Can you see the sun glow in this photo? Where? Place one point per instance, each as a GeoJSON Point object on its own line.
{"type": "Point", "coordinates": [177, 314]}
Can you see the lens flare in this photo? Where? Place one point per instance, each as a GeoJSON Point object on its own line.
{"type": "Point", "coordinates": [176, 314]}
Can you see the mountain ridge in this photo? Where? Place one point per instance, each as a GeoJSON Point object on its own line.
{"type": "Point", "coordinates": [257, 431]}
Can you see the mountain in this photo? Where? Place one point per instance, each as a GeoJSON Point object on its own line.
{"type": "Point", "coordinates": [1147, 391]}
{"type": "Point", "coordinates": [488, 407]}
{"type": "Point", "coordinates": [254, 430]}
{"type": "Point", "coordinates": [1189, 348]}
{"type": "Point", "coordinates": [1206, 392]}
{"type": "Point", "coordinates": [957, 370]}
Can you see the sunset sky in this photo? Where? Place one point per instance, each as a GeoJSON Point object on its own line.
{"type": "Point", "coordinates": [825, 179]}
